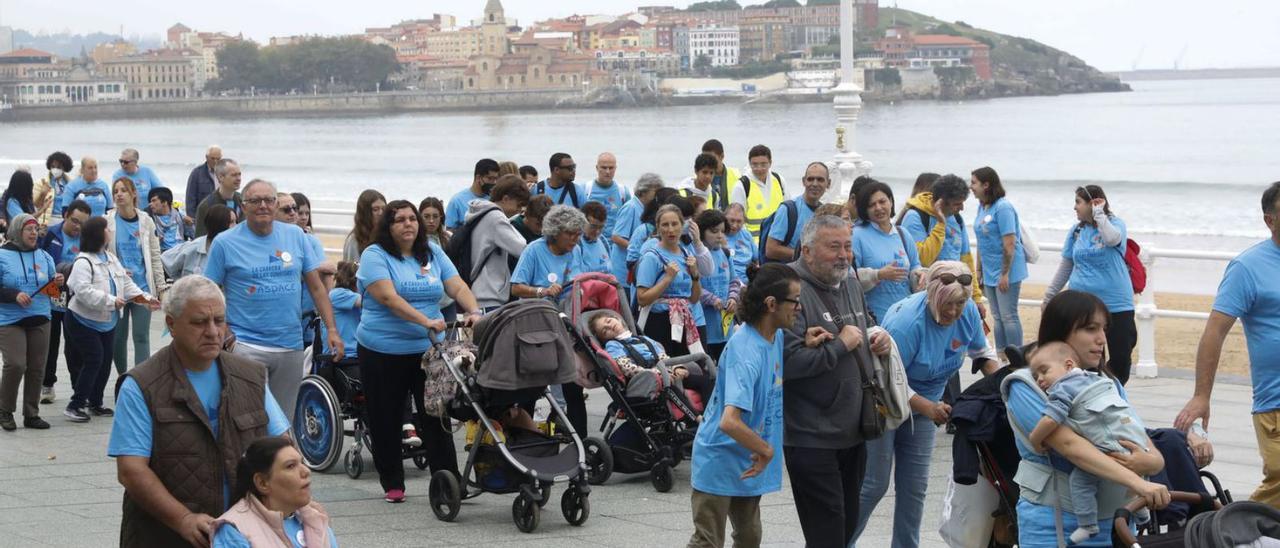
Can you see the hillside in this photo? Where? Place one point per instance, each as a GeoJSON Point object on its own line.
{"type": "Point", "coordinates": [1020, 66]}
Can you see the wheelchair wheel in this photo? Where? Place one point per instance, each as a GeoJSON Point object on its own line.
{"type": "Point", "coordinates": [317, 424]}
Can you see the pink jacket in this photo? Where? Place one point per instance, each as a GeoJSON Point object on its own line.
{"type": "Point", "coordinates": [265, 528]}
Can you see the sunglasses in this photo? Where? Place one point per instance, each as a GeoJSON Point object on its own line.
{"type": "Point", "coordinates": [948, 279]}
{"type": "Point", "coordinates": [792, 301]}
{"type": "Point", "coordinates": [289, 209]}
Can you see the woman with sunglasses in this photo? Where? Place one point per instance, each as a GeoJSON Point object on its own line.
{"type": "Point", "coordinates": [934, 330]}
{"type": "Point", "coordinates": [1093, 262]}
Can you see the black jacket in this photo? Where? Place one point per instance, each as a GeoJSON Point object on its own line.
{"type": "Point", "coordinates": [980, 418]}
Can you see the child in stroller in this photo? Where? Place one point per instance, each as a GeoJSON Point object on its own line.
{"type": "Point", "coordinates": [1089, 404]}
{"type": "Point", "coordinates": [635, 353]}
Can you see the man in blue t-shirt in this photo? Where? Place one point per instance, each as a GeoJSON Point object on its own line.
{"type": "Point", "coordinates": [482, 181]}
{"type": "Point", "coordinates": [155, 417]}
{"type": "Point", "coordinates": [143, 178]}
{"type": "Point", "coordinates": [262, 266]}
{"type": "Point", "coordinates": [1250, 291]}
{"type": "Point", "coordinates": [817, 179]}
{"type": "Point", "coordinates": [559, 185]}
{"type": "Point", "coordinates": [608, 191]}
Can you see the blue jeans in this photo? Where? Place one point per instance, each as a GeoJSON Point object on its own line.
{"type": "Point", "coordinates": [910, 448]}
{"type": "Point", "coordinates": [91, 362]}
{"type": "Point", "coordinates": [1004, 312]}
{"type": "Point", "coordinates": [141, 331]}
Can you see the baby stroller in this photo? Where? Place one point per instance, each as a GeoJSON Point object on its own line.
{"type": "Point", "coordinates": [1215, 526]}
{"type": "Point", "coordinates": [328, 397]}
{"type": "Point", "coordinates": [523, 348]}
{"type": "Point", "coordinates": [650, 423]}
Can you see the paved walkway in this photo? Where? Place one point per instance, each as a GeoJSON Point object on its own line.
{"type": "Point", "coordinates": [58, 488]}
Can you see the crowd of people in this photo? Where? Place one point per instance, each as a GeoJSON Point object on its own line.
{"type": "Point", "coordinates": [791, 296]}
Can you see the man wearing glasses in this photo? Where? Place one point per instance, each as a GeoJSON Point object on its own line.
{"type": "Point", "coordinates": [201, 182]}
{"type": "Point", "coordinates": [761, 191]}
{"type": "Point", "coordinates": [559, 186]}
{"type": "Point", "coordinates": [143, 178]}
{"type": "Point", "coordinates": [783, 244]}
{"type": "Point", "coordinates": [263, 266]}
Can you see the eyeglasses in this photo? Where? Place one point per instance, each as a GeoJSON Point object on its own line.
{"type": "Point", "coordinates": [260, 201]}
{"type": "Point", "coordinates": [126, 162]}
{"type": "Point", "coordinates": [815, 179]}
{"type": "Point", "coordinates": [289, 209]}
{"type": "Point", "coordinates": [948, 279]}
{"type": "Point", "coordinates": [788, 300]}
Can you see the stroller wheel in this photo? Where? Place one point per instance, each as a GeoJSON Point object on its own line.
{"type": "Point", "coordinates": [421, 462]}
{"type": "Point", "coordinates": [526, 513]}
{"type": "Point", "coordinates": [599, 459]}
{"type": "Point", "coordinates": [662, 476]}
{"type": "Point", "coordinates": [445, 495]}
{"type": "Point", "coordinates": [544, 494]}
{"type": "Point", "coordinates": [317, 424]}
{"type": "Point", "coordinates": [575, 506]}
{"type": "Point", "coordinates": [353, 463]}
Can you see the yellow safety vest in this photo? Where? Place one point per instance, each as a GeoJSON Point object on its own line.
{"type": "Point", "coordinates": [760, 205]}
{"type": "Point", "coordinates": [730, 179]}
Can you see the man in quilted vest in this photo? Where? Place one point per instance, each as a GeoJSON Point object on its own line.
{"type": "Point", "coordinates": [183, 418]}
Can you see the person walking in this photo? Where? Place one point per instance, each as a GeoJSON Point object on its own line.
{"type": "Point", "coordinates": [227, 193]}
{"type": "Point", "coordinates": [669, 286]}
{"type": "Point", "coordinates": [62, 242]}
{"type": "Point", "coordinates": [884, 248]}
{"type": "Point", "coordinates": [627, 219]}
{"type": "Point", "coordinates": [202, 181]}
{"type": "Point", "coordinates": [829, 350]}
{"type": "Point", "coordinates": [133, 240]}
{"type": "Point", "coordinates": [17, 198]}
{"type": "Point", "coordinates": [559, 186]}
{"type": "Point", "coordinates": [190, 257]}
{"type": "Point", "coordinates": [1001, 265]}
{"type": "Point", "coordinates": [482, 181]}
{"type": "Point", "coordinates": [142, 177]}
{"type": "Point", "coordinates": [369, 206]}
{"type": "Point", "coordinates": [25, 271]}
{"type": "Point", "coordinates": [761, 191]}
{"type": "Point", "coordinates": [495, 240]}
{"type": "Point", "coordinates": [101, 288]}
{"type": "Point", "coordinates": [88, 187]}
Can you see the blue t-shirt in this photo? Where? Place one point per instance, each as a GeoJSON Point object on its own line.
{"type": "Point", "coordinates": [455, 212]}
{"type": "Point", "coordinates": [539, 267]}
{"type": "Point", "coordinates": [144, 180]}
{"type": "Point", "coordinates": [27, 272]}
{"type": "Point", "coordinates": [593, 256]}
{"type": "Point", "coordinates": [636, 243]}
{"type": "Point", "coordinates": [781, 221]}
{"type": "Point", "coordinates": [742, 247]}
{"type": "Point", "coordinates": [421, 286]}
{"type": "Point", "coordinates": [261, 277]}
{"type": "Point", "coordinates": [129, 250]}
{"type": "Point", "coordinates": [317, 248]}
{"type": "Point", "coordinates": [955, 245]}
{"type": "Point", "coordinates": [97, 194]}
{"type": "Point", "coordinates": [346, 313]}
{"type": "Point", "coordinates": [131, 429]}
{"type": "Point", "coordinates": [562, 195]}
{"type": "Point", "coordinates": [1250, 291]}
{"type": "Point", "coordinates": [110, 322]}
{"type": "Point", "coordinates": [1100, 269]}
{"type": "Point", "coordinates": [623, 223]}
{"type": "Point", "coordinates": [169, 229]}
{"type": "Point", "coordinates": [717, 283]}
{"type": "Point", "coordinates": [227, 536]}
{"type": "Point", "coordinates": [751, 380]}
{"type": "Point", "coordinates": [652, 267]}
{"type": "Point", "coordinates": [873, 248]}
{"type": "Point", "coordinates": [931, 352]}
{"type": "Point", "coordinates": [613, 197]}
{"type": "Point", "coordinates": [992, 224]}
{"type": "Point", "coordinates": [617, 349]}
{"type": "Point", "coordinates": [14, 208]}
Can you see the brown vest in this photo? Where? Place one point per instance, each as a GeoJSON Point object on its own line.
{"type": "Point", "coordinates": [184, 454]}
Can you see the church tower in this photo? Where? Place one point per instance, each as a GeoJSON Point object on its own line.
{"type": "Point", "coordinates": [493, 30]}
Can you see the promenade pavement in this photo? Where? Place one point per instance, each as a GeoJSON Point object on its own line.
{"type": "Point", "coordinates": [58, 488]}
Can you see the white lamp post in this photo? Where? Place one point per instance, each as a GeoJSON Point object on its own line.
{"type": "Point", "coordinates": [848, 104]}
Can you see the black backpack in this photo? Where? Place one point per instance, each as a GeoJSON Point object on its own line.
{"type": "Point", "coordinates": [792, 213]}
{"type": "Point", "coordinates": [459, 248]}
{"type": "Point", "coordinates": [571, 191]}
{"type": "Point", "coordinates": [746, 184]}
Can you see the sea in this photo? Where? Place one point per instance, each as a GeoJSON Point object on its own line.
{"type": "Point", "coordinates": [1184, 162]}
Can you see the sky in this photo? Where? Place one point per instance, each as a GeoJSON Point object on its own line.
{"type": "Point", "coordinates": [1108, 34]}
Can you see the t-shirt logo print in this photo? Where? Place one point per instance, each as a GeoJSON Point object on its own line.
{"type": "Point", "coordinates": [282, 257]}
{"type": "Point", "coordinates": [955, 344]}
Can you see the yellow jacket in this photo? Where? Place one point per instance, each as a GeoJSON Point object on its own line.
{"type": "Point", "coordinates": [931, 246]}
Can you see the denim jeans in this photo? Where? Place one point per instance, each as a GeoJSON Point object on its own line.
{"type": "Point", "coordinates": [1004, 313]}
{"type": "Point", "coordinates": [92, 365]}
{"type": "Point", "coordinates": [904, 452]}
{"type": "Point", "coordinates": [141, 331]}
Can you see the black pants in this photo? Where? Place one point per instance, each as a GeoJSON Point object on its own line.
{"type": "Point", "coordinates": [1122, 335]}
{"type": "Point", "coordinates": [658, 328]}
{"type": "Point", "coordinates": [826, 485]}
{"type": "Point", "coordinates": [714, 350]}
{"type": "Point", "coordinates": [89, 363]}
{"type": "Point", "coordinates": [388, 379]}
{"type": "Point", "coordinates": [55, 336]}
{"type": "Point", "coordinates": [575, 407]}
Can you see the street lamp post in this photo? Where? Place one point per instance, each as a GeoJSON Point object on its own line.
{"type": "Point", "coordinates": [848, 105]}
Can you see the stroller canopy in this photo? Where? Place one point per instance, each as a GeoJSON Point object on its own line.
{"type": "Point", "coordinates": [524, 344]}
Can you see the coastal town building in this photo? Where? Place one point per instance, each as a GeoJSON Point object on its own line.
{"type": "Point", "coordinates": [31, 64]}
{"type": "Point", "coordinates": [661, 62]}
{"type": "Point", "coordinates": [763, 38]}
{"type": "Point", "coordinates": [504, 64]}
{"type": "Point", "coordinates": [159, 74]}
{"type": "Point", "coordinates": [901, 49]}
{"type": "Point", "coordinates": [112, 50]}
{"type": "Point", "coordinates": [720, 45]}
{"type": "Point", "coordinates": [79, 85]}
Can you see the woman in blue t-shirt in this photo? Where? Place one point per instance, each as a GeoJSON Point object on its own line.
{"type": "Point", "coordinates": [721, 285]}
{"type": "Point", "coordinates": [1001, 262]}
{"type": "Point", "coordinates": [24, 320]}
{"type": "Point", "coordinates": [135, 241]}
{"type": "Point", "coordinates": [549, 263]}
{"type": "Point", "coordinates": [273, 483]}
{"type": "Point", "coordinates": [1093, 262]}
{"type": "Point", "coordinates": [880, 245]}
{"type": "Point", "coordinates": [17, 199]}
{"type": "Point", "coordinates": [669, 287]}
{"type": "Point", "coordinates": [401, 279]}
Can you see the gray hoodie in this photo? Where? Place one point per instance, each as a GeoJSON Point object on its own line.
{"type": "Point", "coordinates": [823, 385]}
{"type": "Point", "coordinates": [494, 235]}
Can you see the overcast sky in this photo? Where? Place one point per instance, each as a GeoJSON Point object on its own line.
{"type": "Point", "coordinates": [1109, 34]}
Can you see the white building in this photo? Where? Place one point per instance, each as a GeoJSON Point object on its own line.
{"type": "Point", "coordinates": [720, 44]}
{"type": "Point", "coordinates": [78, 86]}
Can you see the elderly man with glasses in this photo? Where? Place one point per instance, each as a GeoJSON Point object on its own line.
{"type": "Point", "coordinates": [263, 266]}
{"type": "Point", "coordinates": [144, 179]}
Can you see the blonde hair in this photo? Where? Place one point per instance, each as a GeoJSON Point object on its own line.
{"type": "Point", "coordinates": [938, 293]}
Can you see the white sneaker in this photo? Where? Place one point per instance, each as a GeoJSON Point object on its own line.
{"type": "Point", "coordinates": [47, 395]}
{"type": "Point", "coordinates": [410, 436]}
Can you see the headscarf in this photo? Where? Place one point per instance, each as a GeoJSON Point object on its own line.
{"type": "Point", "coordinates": [14, 233]}
{"type": "Point", "coordinates": [938, 293]}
